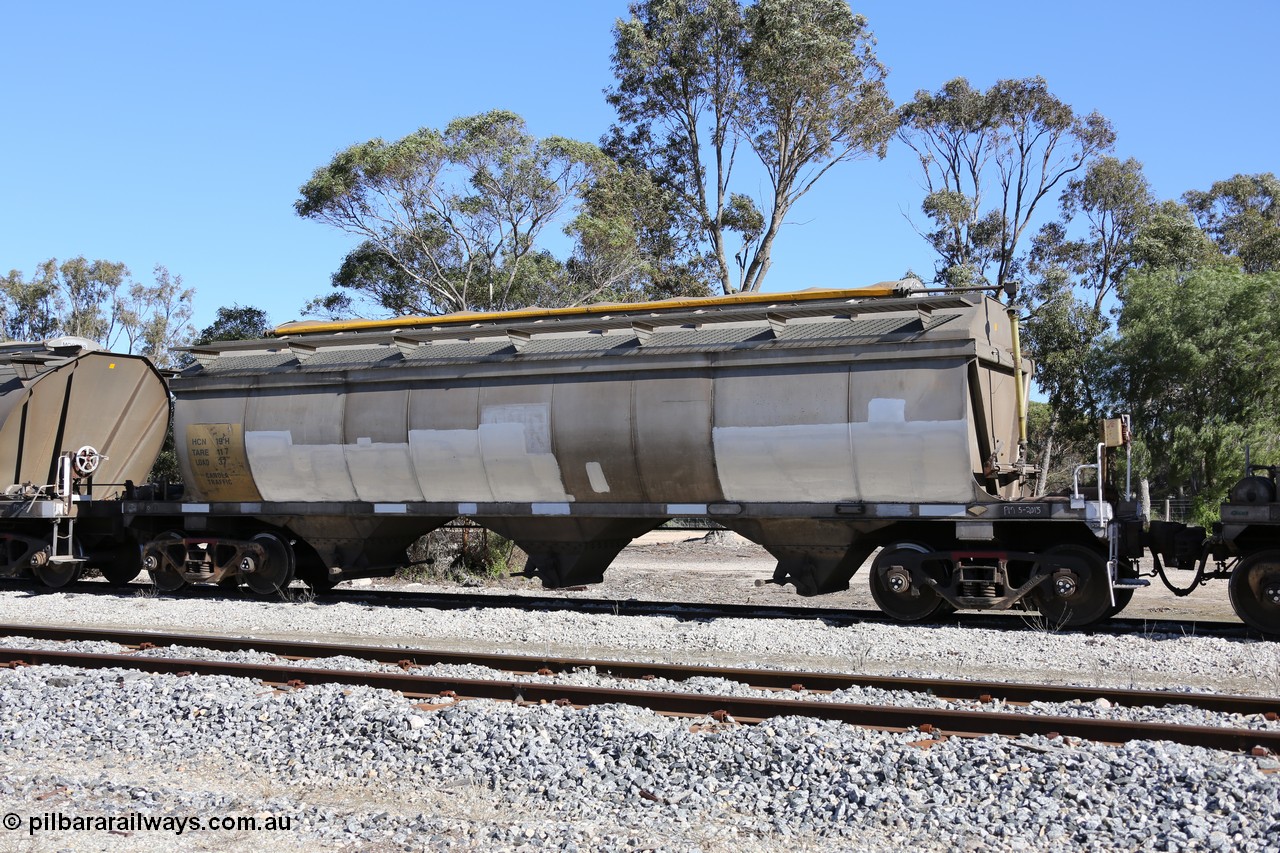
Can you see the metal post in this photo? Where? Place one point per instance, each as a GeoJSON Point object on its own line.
{"type": "Point", "coordinates": [1019, 392]}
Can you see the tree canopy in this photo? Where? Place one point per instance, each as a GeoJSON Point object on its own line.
{"type": "Point", "coordinates": [450, 220]}
{"type": "Point", "coordinates": [236, 323]}
{"type": "Point", "coordinates": [795, 81]}
{"type": "Point", "coordinates": [1242, 215]}
{"type": "Point", "coordinates": [989, 158]}
{"type": "Point", "coordinates": [1195, 361]}
{"type": "Point", "coordinates": [100, 301]}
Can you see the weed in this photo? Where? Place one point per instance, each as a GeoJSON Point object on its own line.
{"type": "Point", "coordinates": [1041, 623]}
{"type": "Point", "coordinates": [298, 595]}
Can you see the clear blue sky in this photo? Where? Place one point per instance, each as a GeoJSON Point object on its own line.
{"type": "Point", "coordinates": [179, 133]}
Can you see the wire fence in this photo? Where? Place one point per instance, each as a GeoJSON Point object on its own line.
{"type": "Point", "coordinates": [1173, 509]}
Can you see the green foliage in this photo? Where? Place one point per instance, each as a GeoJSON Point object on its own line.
{"type": "Point", "coordinates": [165, 469]}
{"type": "Point", "coordinates": [1115, 200]}
{"type": "Point", "coordinates": [461, 555]}
{"type": "Point", "coordinates": [797, 81]}
{"type": "Point", "coordinates": [1242, 214]}
{"type": "Point", "coordinates": [626, 249]}
{"type": "Point", "coordinates": [1169, 238]}
{"type": "Point", "coordinates": [1195, 360]}
{"type": "Point", "coordinates": [156, 319]}
{"type": "Point", "coordinates": [989, 159]}
{"type": "Point", "coordinates": [30, 307]}
{"type": "Point", "coordinates": [1062, 336]}
{"type": "Point", "coordinates": [450, 219]}
{"type": "Point", "coordinates": [98, 300]}
{"type": "Point", "coordinates": [237, 323]}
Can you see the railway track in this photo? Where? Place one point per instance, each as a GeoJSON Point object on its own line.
{"type": "Point", "coordinates": [684, 611]}
{"type": "Point", "coordinates": [532, 682]}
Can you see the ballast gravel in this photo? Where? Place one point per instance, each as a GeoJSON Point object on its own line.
{"type": "Point", "coordinates": [1184, 715]}
{"type": "Point", "coordinates": [355, 768]}
{"type": "Point", "coordinates": [605, 778]}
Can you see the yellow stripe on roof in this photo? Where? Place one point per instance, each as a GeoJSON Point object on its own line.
{"type": "Point", "coordinates": [305, 327]}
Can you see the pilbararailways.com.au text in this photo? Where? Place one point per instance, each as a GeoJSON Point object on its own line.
{"type": "Point", "coordinates": [137, 822]}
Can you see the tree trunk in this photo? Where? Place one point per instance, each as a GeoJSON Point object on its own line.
{"type": "Point", "coordinates": [1046, 458]}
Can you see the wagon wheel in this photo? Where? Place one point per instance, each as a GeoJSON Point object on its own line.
{"type": "Point", "coordinates": [55, 573]}
{"type": "Point", "coordinates": [1079, 597]}
{"type": "Point", "coordinates": [161, 560]}
{"type": "Point", "coordinates": [123, 564]}
{"type": "Point", "coordinates": [1254, 588]}
{"type": "Point", "coordinates": [276, 571]}
{"type": "Point", "coordinates": [895, 592]}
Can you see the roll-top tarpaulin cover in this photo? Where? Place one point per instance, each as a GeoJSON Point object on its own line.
{"type": "Point", "coordinates": [818, 396]}
{"type": "Point", "coordinates": [64, 395]}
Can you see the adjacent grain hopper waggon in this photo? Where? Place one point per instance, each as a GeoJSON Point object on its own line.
{"type": "Point", "coordinates": [1244, 547]}
{"type": "Point", "coordinates": [820, 424]}
{"type": "Point", "coordinates": [78, 427]}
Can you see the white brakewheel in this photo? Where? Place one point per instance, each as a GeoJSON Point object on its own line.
{"type": "Point", "coordinates": [87, 460]}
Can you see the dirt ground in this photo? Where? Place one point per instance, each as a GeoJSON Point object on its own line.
{"type": "Point", "coordinates": [682, 565]}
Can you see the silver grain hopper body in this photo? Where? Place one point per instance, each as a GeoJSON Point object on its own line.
{"type": "Point", "coordinates": [806, 421]}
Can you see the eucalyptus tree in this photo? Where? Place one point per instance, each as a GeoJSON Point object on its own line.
{"type": "Point", "coordinates": [989, 158]}
{"type": "Point", "coordinates": [236, 323]}
{"type": "Point", "coordinates": [1195, 361]}
{"type": "Point", "coordinates": [449, 220]}
{"type": "Point", "coordinates": [100, 301]}
{"type": "Point", "coordinates": [1242, 215]}
{"type": "Point", "coordinates": [796, 82]}
{"type": "Point", "coordinates": [156, 319]}
{"type": "Point", "coordinates": [1072, 272]}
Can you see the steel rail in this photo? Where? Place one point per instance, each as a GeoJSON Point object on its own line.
{"type": "Point", "coordinates": [935, 721]}
{"type": "Point", "coordinates": [681, 610]}
{"type": "Point", "coordinates": [760, 678]}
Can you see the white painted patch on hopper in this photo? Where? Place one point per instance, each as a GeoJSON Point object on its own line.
{"type": "Point", "coordinates": [514, 473]}
{"type": "Point", "coordinates": [913, 461]}
{"type": "Point", "coordinates": [284, 471]}
{"type": "Point", "coordinates": [448, 464]}
{"type": "Point", "coordinates": [799, 462]}
{"type": "Point", "coordinates": [884, 461]}
{"type": "Point", "coordinates": [884, 410]}
{"type": "Point", "coordinates": [382, 471]}
{"type": "Point", "coordinates": [507, 459]}
{"type": "Point", "coordinates": [467, 509]}
{"type": "Point", "coordinates": [534, 420]}
{"type": "Point", "coordinates": [595, 474]}
{"type": "Point", "coordinates": [549, 509]}
{"type": "Point", "coordinates": [390, 509]}
{"type": "Point", "coordinates": [195, 508]}
{"type": "Point", "coordinates": [687, 509]}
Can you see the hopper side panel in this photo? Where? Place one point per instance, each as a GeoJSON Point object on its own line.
{"type": "Point", "coordinates": [376, 446]}
{"type": "Point", "coordinates": [516, 443]}
{"type": "Point", "coordinates": [673, 442]}
{"type": "Point", "coordinates": [295, 448]}
{"type": "Point", "coordinates": [593, 438]}
{"type": "Point", "coordinates": [444, 443]}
